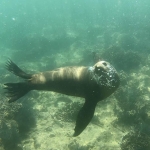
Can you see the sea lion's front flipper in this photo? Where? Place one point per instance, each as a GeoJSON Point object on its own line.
{"type": "Point", "coordinates": [84, 116]}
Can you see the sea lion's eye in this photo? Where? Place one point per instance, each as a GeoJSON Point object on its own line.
{"type": "Point", "coordinates": [104, 63]}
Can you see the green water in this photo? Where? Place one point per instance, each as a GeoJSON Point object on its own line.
{"type": "Point", "coordinates": [43, 35]}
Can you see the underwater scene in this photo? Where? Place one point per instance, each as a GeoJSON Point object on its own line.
{"type": "Point", "coordinates": [41, 36]}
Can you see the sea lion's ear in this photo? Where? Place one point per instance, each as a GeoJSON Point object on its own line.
{"type": "Point", "coordinates": [84, 116]}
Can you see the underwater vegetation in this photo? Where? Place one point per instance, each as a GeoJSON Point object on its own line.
{"type": "Point", "coordinates": [9, 133]}
{"type": "Point", "coordinates": [15, 121]}
{"type": "Point", "coordinates": [132, 111]}
{"type": "Point", "coordinates": [25, 117]}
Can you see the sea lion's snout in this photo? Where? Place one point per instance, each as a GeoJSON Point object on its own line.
{"type": "Point", "coordinates": [102, 65]}
{"type": "Point", "coordinates": [105, 74]}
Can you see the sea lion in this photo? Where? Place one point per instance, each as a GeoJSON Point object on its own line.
{"type": "Point", "coordinates": [92, 83]}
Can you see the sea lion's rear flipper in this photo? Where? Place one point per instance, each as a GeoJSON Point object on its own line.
{"type": "Point", "coordinates": [84, 116]}
{"type": "Point", "coordinates": [13, 68]}
{"type": "Point", "coordinates": [16, 90]}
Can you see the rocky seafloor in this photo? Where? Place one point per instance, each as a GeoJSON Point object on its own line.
{"type": "Point", "coordinates": [45, 120]}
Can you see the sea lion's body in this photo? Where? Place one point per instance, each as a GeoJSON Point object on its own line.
{"type": "Point", "coordinates": [74, 81]}
{"type": "Point", "coordinates": [92, 83]}
{"type": "Point", "coordinates": [67, 80]}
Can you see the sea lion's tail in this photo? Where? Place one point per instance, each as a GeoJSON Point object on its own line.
{"type": "Point", "coordinates": [15, 91]}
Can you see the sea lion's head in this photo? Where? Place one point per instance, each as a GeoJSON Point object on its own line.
{"type": "Point", "coordinates": [105, 75]}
